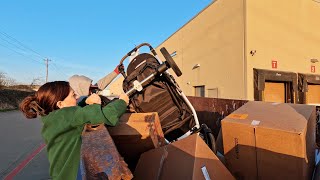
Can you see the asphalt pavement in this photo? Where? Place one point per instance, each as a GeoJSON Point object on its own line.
{"type": "Point", "coordinates": [22, 154]}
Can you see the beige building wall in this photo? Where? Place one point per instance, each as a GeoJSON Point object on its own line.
{"type": "Point", "coordinates": [116, 86]}
{"type": "Point", "coordinates": [215, 40]}
{"type": "Point", "coordinates": [221, 37]}
{"type": "Point", "coordinates": [285, 31]}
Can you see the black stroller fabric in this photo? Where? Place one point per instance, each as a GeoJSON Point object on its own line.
{"type": "Point", "coordinates": [160, 95]}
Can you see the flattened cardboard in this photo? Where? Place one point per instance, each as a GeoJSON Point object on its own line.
{"type": "Point", "coordinates": [135, 134]}
{"type": "Point", "coordinates": [189, 158]}
{"type": "Point", "coordinates": [280, 146]}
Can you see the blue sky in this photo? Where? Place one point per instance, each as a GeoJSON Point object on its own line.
{"type": "Point", "coordinates": [82, 37]}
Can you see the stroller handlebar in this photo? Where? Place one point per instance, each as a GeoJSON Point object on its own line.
{"type": "Point", "coordinates": [136, 48]}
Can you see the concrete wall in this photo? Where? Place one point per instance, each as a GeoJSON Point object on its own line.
{"type": "Point", "coordinates": [286, 31]}
{"type": "Point", "coordinates": [215, 40]}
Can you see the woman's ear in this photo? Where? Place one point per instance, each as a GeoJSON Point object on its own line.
{"type": "Point", "coordinates": [60, 104]}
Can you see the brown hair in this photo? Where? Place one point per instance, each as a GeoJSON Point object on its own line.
{"type": "Point", "coordinates": [45, 99]}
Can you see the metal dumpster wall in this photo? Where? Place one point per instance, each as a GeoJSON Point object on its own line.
{"type": "Point", "coordinates": [212, 110]}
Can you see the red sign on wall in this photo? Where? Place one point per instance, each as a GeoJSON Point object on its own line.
{"type": "Point", "coordinates": [274, 64]}
{"type": "Point", "coordinates": [313, 69]}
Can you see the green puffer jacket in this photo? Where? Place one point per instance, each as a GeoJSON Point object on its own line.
{"type": "Point", "coordinates": [62, 133]}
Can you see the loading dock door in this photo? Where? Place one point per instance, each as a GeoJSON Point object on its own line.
{"type": "Point", "coordinates": [274, 92]}
{"type": "Point", "coordinates": [275, 86]}
{"type": "Point", "coordinates": [313, 94]}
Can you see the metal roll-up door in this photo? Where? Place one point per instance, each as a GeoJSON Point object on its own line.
{"type": "Point", "coordinates": [313, 94]}
{"type": "Point", "coordinates": [275, 86]}
{"type": "Point", "coordinates": [274, 92]}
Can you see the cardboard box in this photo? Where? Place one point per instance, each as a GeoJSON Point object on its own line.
{"type": "Point", "coordinates": [186, 159]}
{"type": "Point", "coordinates": [135, 134]}
{"type": "Point", "coordinates": [270, 141]}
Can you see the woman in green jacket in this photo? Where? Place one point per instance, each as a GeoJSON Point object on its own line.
{"type": "Point", "coordinates": [63, 122]}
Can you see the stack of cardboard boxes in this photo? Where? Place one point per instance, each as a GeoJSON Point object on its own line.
{"type": "Point", "coordinates": [140, 140]}
{"type": "Point", "coordinates": [135, 134]}
{"type": "Point", "coordinates": [270, 141]}
{"type": "Point", "coordinates": [189, 158]}
{"type": "Point", "coordinates": [260, 141]}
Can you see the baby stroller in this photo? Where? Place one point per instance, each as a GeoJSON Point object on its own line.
{"type": "Point", "coordinates": [151, 88]}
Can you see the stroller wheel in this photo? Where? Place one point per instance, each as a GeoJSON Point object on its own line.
{"type": "Point", "coordinates": [212, 142]}
{"type": "Point", "coordinates": [207, 136]}
{"type": "Point", "coordinates": [171, 62]}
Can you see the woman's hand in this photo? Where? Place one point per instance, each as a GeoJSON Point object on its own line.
{"type": "Point", "coordinates": [124, 97]}
{"type": "Point", "coordinates": [93, 99]}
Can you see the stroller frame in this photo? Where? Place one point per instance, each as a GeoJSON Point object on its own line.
{"type": "Point", "coordinates": [162, 69]}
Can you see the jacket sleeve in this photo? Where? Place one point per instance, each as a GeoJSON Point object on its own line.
{"type": "Point", "coordinates": [105, 81]}
{"type": "Point", "coordinates": [94, 114]}
{"type": "Point", "coordinates": [82, 103]}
